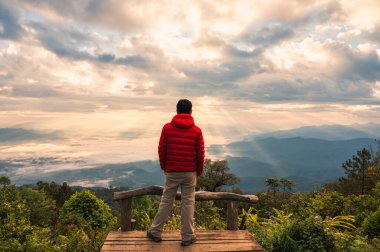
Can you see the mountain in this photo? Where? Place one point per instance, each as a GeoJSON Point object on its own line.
{"type": "Point", "coordinates": [308, 162]}
{"type": "Point", "coordinates": [310, 156]}
{"type": "Point", "coordinates": [326, 132]}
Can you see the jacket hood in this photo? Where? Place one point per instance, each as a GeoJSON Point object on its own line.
{"type": "Point", "coordinates": [182, 121]}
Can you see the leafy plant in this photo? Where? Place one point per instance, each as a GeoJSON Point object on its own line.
{"type": "Point", "coordinates": [88, 216]}
{"type": "Point", "coordinates": [371, 225]}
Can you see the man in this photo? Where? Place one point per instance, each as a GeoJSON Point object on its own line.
{"type": "Point", "coordinates": [181, 153]}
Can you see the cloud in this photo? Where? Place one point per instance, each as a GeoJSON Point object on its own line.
{"type": "Point", "coordinates": [133, 60]}
{"type": "Point", "coordinates": [133, 134]}
{"type": "Point", "coordinates": [362, 66]}
{"type": "Point", "coordinates": [271, 32]}
{"type": "Point", "coordinates": [283, 90]}
{"type": "Point", "coordinates": [9, 24]}
{"type": "Point", "coordinates": [32, 90]}
{"type": "Point", "coordinates": [225, 72]}
{"type": "Point", "coordinates": [13, 135]}
{"type": "Point", "coordinates": [94, 56]}
{"type": "Point", "coordinates": [77, 44]}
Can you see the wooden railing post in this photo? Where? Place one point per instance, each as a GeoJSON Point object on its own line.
{"type": "Point", "coordinates": [126, 214]}
{"type": "Point", "coordinates": [232, 215]}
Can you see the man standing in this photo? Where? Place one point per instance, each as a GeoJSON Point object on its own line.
{"type": "Point", "coordinates": [181, 153]}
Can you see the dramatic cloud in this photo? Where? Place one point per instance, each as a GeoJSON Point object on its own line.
{"type": "Point", "coordinates": [112, 71]}
{"type": "Point", "coordinates": [9, 24]}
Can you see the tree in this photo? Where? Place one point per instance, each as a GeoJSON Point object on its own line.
{"type": "Point", "coordinates": [374, 168]}
{"type": "Point", "coordinates": [42, 208]}
{"type": "Point", "coordinates": [59, 193]}
{"type": "Point", "coordinates": [14, 222]}
{"type": "Point", "coordinates": [357, 170]}
{"type": "Point", "coordinates": [216, 175]}
{"type": "Point", "coordinates": [87, 215]}
{"type": "Point", "coordinates": [287, 185]}
{"type": "Point", "coordinates": [4, 181]}
{"type": "Point", "coordinates": [272, 196]}
{"type": "Point", "coordinates": [273, 184]}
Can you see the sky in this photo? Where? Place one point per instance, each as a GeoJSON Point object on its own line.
{"type": "Point", "coordinates": [91, 82]}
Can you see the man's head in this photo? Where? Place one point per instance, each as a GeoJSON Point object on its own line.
{"type": "Point", "coordinates": [184, 106]}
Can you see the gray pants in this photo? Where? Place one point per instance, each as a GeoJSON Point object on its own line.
{"type": "Point", "coordinates": [187, 181]}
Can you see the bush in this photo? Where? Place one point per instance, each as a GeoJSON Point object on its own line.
{"type": "Point", "coordinates": [361, 206]}
{"type": "Point", "coordinates": [144, 210]}
{"type": "Point", "coordinates": [371, 225]}
{"type": "Point", "coordinates": [207, 216]}
{"type": "Point", "coordinates": [327, 203]}
{"type": "Point", "coordinates": [87, 218]}
{"type": "Point", "coordinates": [304, 235]}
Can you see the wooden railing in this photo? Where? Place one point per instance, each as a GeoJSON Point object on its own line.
{"type": "Point", "coordinates": [125, 198]}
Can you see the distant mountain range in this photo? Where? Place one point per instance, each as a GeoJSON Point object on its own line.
{"type": "Point", "coordinates": [327, 132]}
{"type": "Point", "coordinates": [308, 162]}
{"type": "Point", "coordinates": [310, 156]}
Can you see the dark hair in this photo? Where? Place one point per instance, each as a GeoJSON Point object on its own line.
{"type": "Point", "coordinates": [184, 106]}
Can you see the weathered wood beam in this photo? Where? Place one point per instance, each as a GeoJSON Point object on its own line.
{"type": "Point", "coordinates": [126, 214]}
{"type": "Point", "coordinates": [232, 215]}
{"type": "Point", "coordinates": [199, 195]}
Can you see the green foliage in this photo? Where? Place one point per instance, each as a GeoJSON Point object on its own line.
{"type": "Point", "coordinates": [144, 210]}
{"type": "Point", "coordinates": [320, 221]}
{"type": "Point", "coordinates": [360, 206]}
{"type": "Point", "coordinates": [14, 221]}
{"type": "Point", "coordinates": [29, 218]}
{"type": "Point", "coordinates": [4, 181]}
{"type": "Point", "coordinates": [376, 190]}
{"type": "Point", "coordinates": [42, 209]}
{"type": "Point", "coordinates": [297, 203]}
{"type": "Point", "coordinates": [357, 169]}
{"type": "Point", "coordinates": [287, 232]}
{"type": "Point", "coordinates": [52, 218]}
{"type": "Point", "coordinates": [106, 194]}
{"type": "Point", "coordinates": [371, 225]}
{"type": "Point", "coordinates": [87, 215]}
{"type": "Point", "coordinates": [40, 240]}
{"type": "Point", "coordinates": [327, 203]}
{"type": "Point", "coordinates": [274, 184]}
{"type": "Point", "coordinates": [304, 235]}
{"type": "Point", "coordinates": [216, 175]}
{"type": "Point", "coordinates": [208, 216]}
{"type": "Point", "coordinates": [59, 193]}
{"type": "Point", "coordinates": [340, 222]}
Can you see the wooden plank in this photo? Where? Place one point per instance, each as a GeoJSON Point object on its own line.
{"type": "Point", "coordinates": [123, 242]}
{"type": "Point", "coordinates": [141, 239]}
{"type": "Point", "coordinates": [178, 236]}
{"type": "Point", "coordinates": [142, 233]}
{"type": "Point", "coordinates": [217, 240]}
{"type": "Point", "coordinates": [126, 214]}
{"type": "Point", "coordinates": [170, 233]}
{"type": "Point", "coordinates": [177, 247]}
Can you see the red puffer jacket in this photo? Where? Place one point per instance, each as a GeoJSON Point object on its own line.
{"type": "Point", "coordinates": [181, 147]}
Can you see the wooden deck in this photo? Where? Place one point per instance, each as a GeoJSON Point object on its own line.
{"type": "Point", "coordinates": [219, 240]}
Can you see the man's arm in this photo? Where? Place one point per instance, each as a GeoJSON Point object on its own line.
{"type": "Point", "coordinates": [162, 149]}
{"type": "Point", "coordinates": [200, 153]}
